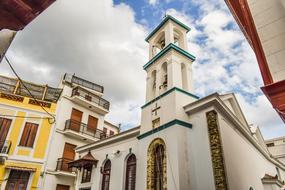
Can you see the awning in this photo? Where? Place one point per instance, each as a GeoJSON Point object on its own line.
{"type": "Point", "coordinates": [21, 168]}
{"type": "Point", "coordinates": [86, 160]}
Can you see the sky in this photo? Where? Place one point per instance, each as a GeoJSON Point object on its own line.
{"type": "Point", "coordinates": [103, 41]}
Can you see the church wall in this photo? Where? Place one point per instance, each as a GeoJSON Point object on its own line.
{"type": "Point", "coordinates": [199, 153]}
{"type": "Point", "coordinates": [245, 165]}
{"type": "Point", "coordinates": [117, 163]}
{"type": "Point", "coordinates": [173, 138]}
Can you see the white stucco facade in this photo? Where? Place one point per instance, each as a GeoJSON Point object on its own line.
{"type": "Point", "coordinates": [55, 173]}
{"type": "Point", "coordinates": [207, 141]}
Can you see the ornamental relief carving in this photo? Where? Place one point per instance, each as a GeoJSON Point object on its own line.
{"type": "Point", "coordinates": [216, 151]}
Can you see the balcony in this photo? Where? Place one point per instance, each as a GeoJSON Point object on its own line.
{"type": "Point", "coordinates": [82, 131]}
{"type": "Point", "coordinates": [87, 84]}
{"type": "Point", "coordinates": [4, 149]}
{"type": "Point", "coordinates": [63, 169]}
{"type": "Point", "coordinates": [89, 100]}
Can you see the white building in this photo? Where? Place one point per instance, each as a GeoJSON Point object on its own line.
{"type": "Point", "coordinates": [276, 147]}
{"type": "Point", "coordinates": [184, 142]}
{"type": "Point", "coordinates": [79, 121]}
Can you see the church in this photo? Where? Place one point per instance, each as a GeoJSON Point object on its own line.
{"type": "Point", "coordinates": [184, 141]}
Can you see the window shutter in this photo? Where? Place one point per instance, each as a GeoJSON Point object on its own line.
{"type": "Point", "coordinates": [4, 129]}
{"type": "Point", "coordinates": [25, 134]}
{"type": "Point", "coordinates": [92, 123]}
{"type": "Point", "coordinates": [69, 152]}
{"type": "Point", "coordinates": [29, 134]}
{"type": "Point", "coordinates": [33, 133]}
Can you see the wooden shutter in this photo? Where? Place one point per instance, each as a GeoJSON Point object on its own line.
{"type": "Point", "coordinates": [4, 129]}
{"type": "Point", "coordinates": [32, 136]}
{"type": "Point", "coordinates": [29, 134]}
{"type": "Point", "coordinates": [67, 156]}
{"type": "Point", "coordinates": [62, 187]}
{"type": "Point", "coordinates": [92, 123]}
{"type": "Point", "coordinates": [69, 152]}
{"type": "Point", "coordinates": [76, 117]}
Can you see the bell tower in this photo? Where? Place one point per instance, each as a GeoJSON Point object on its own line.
{"type": "Point", "coordinates": [170, 63]}
{"type": "Point", "coordinates": [169, 71]}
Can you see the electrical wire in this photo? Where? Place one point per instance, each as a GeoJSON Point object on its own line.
{"type": "Point", "coordinates": [53, 118]}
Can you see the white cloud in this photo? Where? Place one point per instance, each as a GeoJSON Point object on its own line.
{"type": "Point", "coordinates": [103, 43]}
{"type": "Point", "coordinates": [260, 112]}
{"type": "Point", "coordinates": [95, 40]}
{"type": "Point", "coordinates": [153, 2]}
{"type": "Point", "coordinates": [225, 63]}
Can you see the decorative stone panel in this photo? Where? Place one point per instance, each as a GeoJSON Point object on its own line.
{"type": "Point", "coordinates": [216, 151]}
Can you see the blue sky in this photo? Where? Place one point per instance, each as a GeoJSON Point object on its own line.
{"type": "Point", "coordinates": [233, 53]}
{"type": "Point", "coordinates": [96, 39]}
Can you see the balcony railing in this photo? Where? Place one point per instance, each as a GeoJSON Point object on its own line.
{"type": "Point", "coordinates": [62, 165]}
{"type": "Point", "coordinates": [83, 82]}
{"type": "Point", "coordinates": [78, 91]}
{"type": "Point", "coordinates": [5, 147]}
{"type": "Point", "coordinates": [82, 128]}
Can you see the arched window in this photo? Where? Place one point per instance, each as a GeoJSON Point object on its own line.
{"type": "Point", "coordinates": [106, 172]}
{"type": "Point", "coordinates": [156, 166]}
{"type": "Point", "coordinates": [164, 77]}
{"type": "Point", "coordinates": [184, 77]}
{"type": "Point", "coordinates": [131, 165]}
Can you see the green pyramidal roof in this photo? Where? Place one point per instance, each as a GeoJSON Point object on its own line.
{"type": "Point", "coordinates": [168, 17]}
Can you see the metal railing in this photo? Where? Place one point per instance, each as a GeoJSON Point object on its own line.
{"type": "Point", "coordinates": [62, 165]}
{"type": "Point", "coordinates": [83, 82]}
{"type": "Point", "coordinates": [78, 91]}
{"type": "Point", "coordinates": [84, 129]}
{"type": "Point", "coordinates": [5, 147]}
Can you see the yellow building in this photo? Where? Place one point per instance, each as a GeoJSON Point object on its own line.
{"type": "Point", "coordinates": [26, 126]}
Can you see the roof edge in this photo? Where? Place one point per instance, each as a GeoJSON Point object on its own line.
{"type": "Point", "coordinates": [168, 17]}
{"type": "Point", "coordinates": [165, 50]}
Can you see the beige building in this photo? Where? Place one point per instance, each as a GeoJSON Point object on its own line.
{"type": "Point", "coordinates": [263, 23]}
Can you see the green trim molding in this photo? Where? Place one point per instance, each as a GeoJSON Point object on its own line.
{"type": "Point", "coordinates": [165, 50]}
{"type": "Point", "coordinates": [168, 17]}
{"type": "Point", "coordinates": [168, 92]}
{"type": "Point", "coordinates": [165, 126]}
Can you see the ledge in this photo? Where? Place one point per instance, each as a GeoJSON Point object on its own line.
{"type": "Point", "coordinates": [162, 127]}
{"type": "Point", "coordinates": [167, 92]}
{"type": "Point", "coordinates": [165, 50]}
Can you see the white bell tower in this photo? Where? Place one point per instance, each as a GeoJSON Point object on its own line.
{"type": "Point", "coordinates": [169, 71]}
{"type": "Point", "coordinates": [170, 63]}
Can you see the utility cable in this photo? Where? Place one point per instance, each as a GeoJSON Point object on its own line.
{"type": "Point", "coordinates": [25, 117]}
{"type": "Point", "coordinates": [53, 118]}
